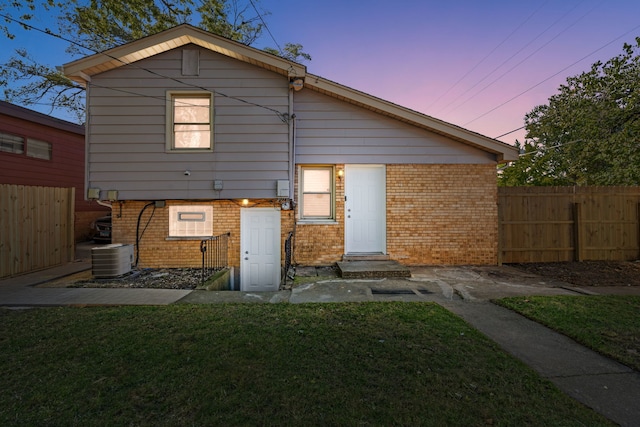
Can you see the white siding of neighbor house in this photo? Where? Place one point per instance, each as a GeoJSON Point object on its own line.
{"type": "Point", "coordinates": [126, 131]}
{"type": "Point", "coordinates": [330, 131]}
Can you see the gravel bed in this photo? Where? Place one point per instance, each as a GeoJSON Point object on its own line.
{"type": "Point", "coordinates": [165, 278]}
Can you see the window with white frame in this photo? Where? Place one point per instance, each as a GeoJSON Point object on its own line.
{"type": "Point", "coordinates": [189, 121]}
{"type": "Point", "coordinates": [317, 193]}
{"type": "Point", "coordinates": [190, 221]}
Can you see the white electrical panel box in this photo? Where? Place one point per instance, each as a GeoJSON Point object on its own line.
{"type": "Point", "coordinates": [282, 188]}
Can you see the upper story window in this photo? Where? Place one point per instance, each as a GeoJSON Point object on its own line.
{"type": "Point", "coordinates": [11, 143]}
{"type": "Point", "coordinates": [189, 121]}
{"type": "Point", "coordinates": [16, 144]}
{"type": "Point", "coordinates": [317, 188]}
{"type": "Point", "coordinates": [38, 149]}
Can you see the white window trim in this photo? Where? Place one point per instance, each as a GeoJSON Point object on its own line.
{"type": "Point", "coordinates": [169, 121]}
{"type": "Point", "coordinates": [199, 226]}
{"type": "Point", "coordinates": [317, 220]}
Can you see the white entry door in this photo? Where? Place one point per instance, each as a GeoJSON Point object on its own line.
{"type": "Point", "coordinates": [365, 209]}
{"type": "Point", "coordinates": [259, 249]}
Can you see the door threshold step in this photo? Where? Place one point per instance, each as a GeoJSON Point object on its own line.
{"type": "Point", "coordinates": [372, 269]}
{"type": "Point", "coordinates": [364, 257]}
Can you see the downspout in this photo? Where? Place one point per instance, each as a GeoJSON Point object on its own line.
{"type": "Point", "coordinates": [87, 126]}
{"type": "Point", "coordinates": [292, 170]}
{"type": "Point", "coordinates": [292, 148]}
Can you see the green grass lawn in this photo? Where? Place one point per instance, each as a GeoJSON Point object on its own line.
{"type": "Point", "coordinates": [265, 364]}
{"type": "Point", "coordinates": [607, 324]}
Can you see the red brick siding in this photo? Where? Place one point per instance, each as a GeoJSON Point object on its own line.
{"type": "Point", "coordinates": [322, 244]}
{"type": "Point", "coordinates": [436, 214]}
{"type": "Point", "coordinates": [442, 214]}
{"type": "Point", "coordinates": [157, 251]}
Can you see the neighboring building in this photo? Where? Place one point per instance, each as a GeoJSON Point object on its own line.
{"type": "Point", "coordinates": [191, 134]}
{"type": "Point", "coordinates": [39, 150]}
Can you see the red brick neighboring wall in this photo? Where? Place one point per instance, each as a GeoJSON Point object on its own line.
{"type": "Point", "coordinates": [65, 169]}
{"type": "Point", "coordinates": [442, 214]}
{"type": "Point", "coordinates": [436, 214]}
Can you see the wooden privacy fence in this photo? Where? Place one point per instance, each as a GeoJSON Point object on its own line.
{"type": "Point", "coordinates": [36, 228]}
{"type": "Point", "coordinates": [552, 224]}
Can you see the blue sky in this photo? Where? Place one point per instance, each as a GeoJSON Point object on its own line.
{"type": "Point", "coordinates": [481, 65]}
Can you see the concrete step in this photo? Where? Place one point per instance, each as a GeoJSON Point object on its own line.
{"type": "Point", "coordinates": [364, 257]}
{"type": "Point", "coordinates": [372, 269]}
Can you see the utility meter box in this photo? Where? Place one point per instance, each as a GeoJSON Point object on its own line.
{"type": "Point", "coordinates": [282, 188]}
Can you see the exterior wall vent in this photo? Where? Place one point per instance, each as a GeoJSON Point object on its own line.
{"type": "Point", "coordinates": [111, 260]}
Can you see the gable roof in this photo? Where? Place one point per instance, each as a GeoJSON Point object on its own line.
{"type": "Point", "coordinates": [83, 69]}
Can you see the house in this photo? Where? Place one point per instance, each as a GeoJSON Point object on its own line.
{"type": "Point", "coordinates": [40, 150]}
{"type": "Point", "coordinates": [190, 134]}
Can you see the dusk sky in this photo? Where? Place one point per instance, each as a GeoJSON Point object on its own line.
{"type": "Point", "coordinates": [478, 64]}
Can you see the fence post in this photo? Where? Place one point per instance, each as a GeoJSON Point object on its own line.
{"type": "Point", "coordinates": [203, 250]}
{"type": "Point", "coordinates": [638, 209]}
{"type": "Point", "coordinates": [71, 232]}
{"type": "Point", "coordinates": [578, 239]}
{"type": "Point", "coordinates": [500, 231]}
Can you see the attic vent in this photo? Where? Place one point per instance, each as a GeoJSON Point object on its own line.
{"type": "Point", "coordinates": [190, 62]}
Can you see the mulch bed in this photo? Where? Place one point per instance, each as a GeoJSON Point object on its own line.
{"type": "Point", "coordinates": [588, 273]}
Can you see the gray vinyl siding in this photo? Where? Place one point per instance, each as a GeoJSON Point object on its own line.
{"type": "Point", "coordinates": [126, 131]}
{"type": "Point", "coordinates": [330, 131]}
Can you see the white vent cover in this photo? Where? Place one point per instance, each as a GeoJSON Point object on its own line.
{"type": "Point", "coordinates": [190, 221]}
{"type": "Point", "coordinates": [111, 260]}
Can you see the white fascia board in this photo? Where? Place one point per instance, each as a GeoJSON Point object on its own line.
{"type": "Point", "coordinates": [174, 38]}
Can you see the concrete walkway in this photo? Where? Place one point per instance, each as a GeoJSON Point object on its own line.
{"type": "Point", "coordinates": [608, 387]}
{"type": "Point", "coordinates": [600, 383]}
{"type": "Point", "coordinates": [21, 291]}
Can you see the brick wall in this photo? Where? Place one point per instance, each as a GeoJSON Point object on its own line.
{"type": "Point", "coordinates": [436, 214]}
{"type": "Point", "coordinates": [157, 251]}
{"type": "Point", "coordinates": [442, 214]}
{"type": "Point", "coordinates": [321, 244]}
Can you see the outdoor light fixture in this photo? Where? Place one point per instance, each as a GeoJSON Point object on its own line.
{"type": "Point", "coordinates": [245, 202]}
{"type": "Point", "coordinates": [340, 174]}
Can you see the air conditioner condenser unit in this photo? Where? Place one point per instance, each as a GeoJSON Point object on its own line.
{"type": "Point", "coordinates": [111, 260]}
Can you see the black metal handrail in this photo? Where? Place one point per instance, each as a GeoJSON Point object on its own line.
{"type": "Point", "coordinates": [289, 271]}
{"type": "Point", "coordinates": [214, 251]}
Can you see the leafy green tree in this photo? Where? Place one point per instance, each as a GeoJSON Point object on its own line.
{"type": "Point", "coordinates": [588, 133]}
{"type": "Point", "coordinates": [291, 51]}
{"type": "Point", "coordinates": [97, 25]}
{"type": "Point", "coordinates": [535, 167]}
{"type": "Point", "coordinates": [24, 9]}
